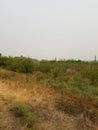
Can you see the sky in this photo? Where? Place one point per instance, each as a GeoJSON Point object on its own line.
{"type": "Point", "coordinates": [45, 29]}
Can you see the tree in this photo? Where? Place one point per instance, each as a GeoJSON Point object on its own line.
{"type": "Point", "coordinates": [0, 54]}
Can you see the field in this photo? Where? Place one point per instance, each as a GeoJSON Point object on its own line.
{"type": "Point", "coordinates": [48, 95]}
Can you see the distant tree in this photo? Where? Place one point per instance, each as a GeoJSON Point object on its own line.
{"type": "Point", "coordinates": [0, 54]}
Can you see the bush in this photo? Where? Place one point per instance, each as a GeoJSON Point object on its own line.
{"type": "Point", "coordinates": [18, 64]}
{"type": "Point", "coordinates": [45, 66]}
{"type": "Point", "coordinates": [24, 65]}
{"type": "Point", "coordinates": [22, 111]}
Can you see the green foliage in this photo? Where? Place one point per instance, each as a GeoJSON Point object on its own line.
{"type": "Point", "coordinates": [22, 111]}
{"type": "Point", "coordinates": [18, 64]}
{"type": "Point", "coordinates": [5, 61]}
{"type": "Point", "coordinates": [45, 66]}
{"type": "Point", "coordinates": [75, 76]}
{"type": "Point", "coordinates": [24, 65]}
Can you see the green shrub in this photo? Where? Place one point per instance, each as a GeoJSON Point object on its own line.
{"type": "Point", "coordinates": [45, 66]}
{"type": "Point", "coordinates": [18, 64]}
{"type": "Point", "coordinates": [22, 111]}
{"type": "Point", "coordinates": [24, 65]}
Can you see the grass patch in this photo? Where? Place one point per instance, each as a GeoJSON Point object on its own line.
{"type": "Point", "coordinates": [67, 107]}
{"type": "Point", "coordinates": [22, 111]}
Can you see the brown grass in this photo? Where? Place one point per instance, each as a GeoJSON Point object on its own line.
{"type": "Point", "coordinates": [41, 100]}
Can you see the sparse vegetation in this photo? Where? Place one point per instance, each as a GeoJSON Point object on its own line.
{"type": "Point", "coordinates": [22, 111]}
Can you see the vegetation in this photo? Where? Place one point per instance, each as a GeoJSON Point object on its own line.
{"type": "Point", "coordinates": [22, 111]}
{"type": "Point", "coordinates": [77, 77]}
{"type": "Point", "coordinates": [18, 64]}
{"type": "Point", "coordinates": [74, 82]}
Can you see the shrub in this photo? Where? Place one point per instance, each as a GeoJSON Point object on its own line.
{"type": "Point", "coordinates": [45, 66]}
{"type": "Point", "coordinates": [22, 111]}
{"type": "Point", "coordinates": [24, 65]}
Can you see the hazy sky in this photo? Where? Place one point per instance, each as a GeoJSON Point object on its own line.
{"type": "Point", "coordinates": [49, 28]}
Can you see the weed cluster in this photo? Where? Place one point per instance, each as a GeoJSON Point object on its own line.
{"type": "Point", "coordinates": [22, 111]}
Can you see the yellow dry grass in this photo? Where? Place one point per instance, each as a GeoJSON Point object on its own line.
{"type": "Point", "coordinates": [41, 100]}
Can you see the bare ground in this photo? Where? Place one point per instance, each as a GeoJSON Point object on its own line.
{"type": "Point", "coordinates": [41, 102]}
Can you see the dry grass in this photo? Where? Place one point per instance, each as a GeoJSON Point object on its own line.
{"type": "Point", "coordinates": [41, 100]}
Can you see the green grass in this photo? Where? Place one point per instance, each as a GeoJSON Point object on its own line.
{"type": "Point", "coordinates": [22, 111]}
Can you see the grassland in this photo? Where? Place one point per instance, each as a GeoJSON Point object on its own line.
{"type": "Point", "coordinates": [51, 95]}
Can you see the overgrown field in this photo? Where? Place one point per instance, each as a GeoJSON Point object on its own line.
{"type": "Point", "coordinates": [73, 84]}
